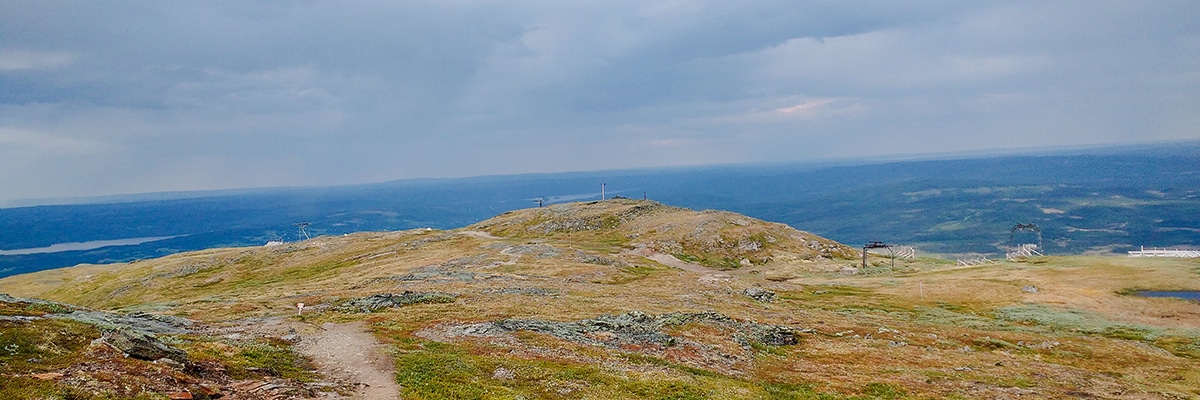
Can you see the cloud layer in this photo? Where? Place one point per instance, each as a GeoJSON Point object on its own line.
{"type": "Point", "coordinates": [105, 98]}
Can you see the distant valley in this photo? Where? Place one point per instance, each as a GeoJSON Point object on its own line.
{"type": "Point", "coordinates": [1098, 201]}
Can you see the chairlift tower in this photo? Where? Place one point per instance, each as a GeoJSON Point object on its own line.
{"type": "Point", "coordinates": [303, 230]}
{"type": "Point", "coordinates": [1012, 233]}
{"type": "Point", "coordinates": [878, 245]}
{"type": "Point", "coordinates": [1021, 250]}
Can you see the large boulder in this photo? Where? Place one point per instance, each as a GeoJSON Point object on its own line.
{"type": "Point", "coordinates": [759, 294]}
{"type": "Point", "coordinates": [142, 346]}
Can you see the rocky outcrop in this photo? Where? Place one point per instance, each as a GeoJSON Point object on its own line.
{"type": "Point", "coordinates": [142, 346]}
{"type": "Point", "coordinates": [144, 323]}
{"type": "Point", "coordinates": [641, 329]}
{"type": "Point", "coordinates": [532, 291]}
{"type": "Point", "coordinates": [140, 322]}
{"type": "Point", "coordinates": [391, 300]}
{"type": "Point", "coordinates": [132, 334]}
{"type": "Point", "coordinates": [631, 328]}
{"type": "Point", "coordinates": [760, 294]}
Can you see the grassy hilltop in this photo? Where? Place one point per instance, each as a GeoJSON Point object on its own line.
{"type": "Point", "coordinates": [619, 299]}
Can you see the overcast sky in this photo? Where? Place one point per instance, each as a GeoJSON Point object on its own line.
{"type": "Point", "coordinates": [110, 97]}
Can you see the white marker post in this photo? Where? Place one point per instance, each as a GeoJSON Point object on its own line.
{"type": "Point", "coordinates": [299, 308]}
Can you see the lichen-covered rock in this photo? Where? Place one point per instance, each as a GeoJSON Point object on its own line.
{"type": "Point", "coordinates": [759, 294]}
{"type": "Point", "coordinates": [638, 328]}
{"type": "Point", "coordinates": [141, 322]}
{"type": "Point", "coordinates": [774, 335]}
{"type": "Point", "coordinates": [532, 291]}
{"type": "Point", "coordinates": [142, 346]}
{"type": "Point", "coordinates": [501, 373]}
{"type": "Point", "coordinates": [598, 260]}
{"type": "Point", "coordinates": [630, 328]}
{"type": "Point", "coordinates": [391, 300]}
{"type": "Point", "coordinates": [37, 307]}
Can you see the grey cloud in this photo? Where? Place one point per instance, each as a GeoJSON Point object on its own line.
{"type": "Point", "coordinates": [118, 97]}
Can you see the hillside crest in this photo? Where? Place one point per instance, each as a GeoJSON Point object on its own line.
{"type": "Point", "coordinates": [714, 239]}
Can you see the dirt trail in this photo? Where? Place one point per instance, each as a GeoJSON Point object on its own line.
{"type": "Point", "coordinates": [670, 260]}
{"type": "Point", "coordinates": [349, 351]}
{"type": "Point", "coordinates": [479, 235]}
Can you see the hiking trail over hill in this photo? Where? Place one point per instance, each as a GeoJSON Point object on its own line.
{"type": "Point", "coordinates": [350, 352]}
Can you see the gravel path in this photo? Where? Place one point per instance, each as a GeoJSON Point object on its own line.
{"type": "Point", "coordinates": [671, 261]}
{"type": "Point", "coordinates": [349, 351]}
{"type": "Point", "coordinates": [479, 235]}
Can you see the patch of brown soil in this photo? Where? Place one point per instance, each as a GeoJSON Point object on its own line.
{"type": "Point", "coordinates": [348, 351]}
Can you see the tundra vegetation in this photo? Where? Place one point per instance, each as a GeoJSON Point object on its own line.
{"type": "Point", "coordinates": [613, 299]}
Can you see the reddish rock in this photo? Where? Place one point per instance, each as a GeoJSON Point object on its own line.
{"type": "Point", "coordinates": [208, 391]}
{"type": "Point", "coordinates": [180, 396]}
